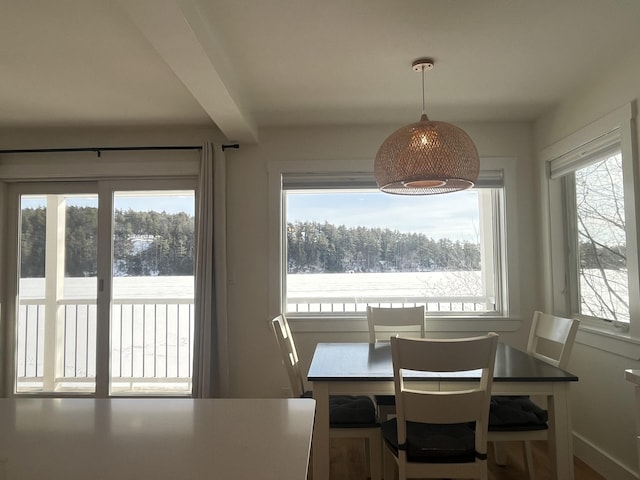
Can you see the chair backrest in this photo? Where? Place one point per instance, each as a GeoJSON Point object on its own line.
{"type": "Point", "coordinates": [386, 322]}
{"type": "Point", "coordinates": [289, 354]}
{"type": "Point", "coordinates": [551, 338]}
{"type": "Point", "coordinates": [423, 401]}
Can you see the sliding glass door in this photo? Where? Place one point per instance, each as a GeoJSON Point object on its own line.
{"type": "Point", "coordinates": [152, 292]}
{"type": "Point", "coordinates": [56, 309]}
{"type": "Point", "coordinates": [105, 287]}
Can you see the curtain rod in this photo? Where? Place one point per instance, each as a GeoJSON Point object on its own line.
{"type": "Point", "coordinates": [98, 150]}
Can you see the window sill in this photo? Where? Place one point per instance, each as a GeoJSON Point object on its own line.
{"type": "Point", "coordinates": [608, 339]}
{"type": "Point", "coordinates": [311, 324]}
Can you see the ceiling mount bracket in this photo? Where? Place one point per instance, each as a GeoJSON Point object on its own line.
{"type": "Point", "coordinates": [422, 63]}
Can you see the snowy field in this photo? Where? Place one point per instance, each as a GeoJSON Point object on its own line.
{"type": "Point", "coordinates": [400, 284]}
{"type": "Point", "coordinates": [318, 285]}
{"type": "Point", "coordinates": [315, 286]}
{"type": "Point", "coordinates": [123, 287]}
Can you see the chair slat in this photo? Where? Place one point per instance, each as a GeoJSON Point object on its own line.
{"type": "Point", "coordinates": [385, 322]}
{"type": "Point", "coordinates": [443, 407]}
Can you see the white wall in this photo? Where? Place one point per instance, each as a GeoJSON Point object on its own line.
{"type": "Point", "coordinates": [602, 401]}
{"type": "Point", "coordinates": [24, 138]}
{"type": "Point", "coordinates": [254, 361]}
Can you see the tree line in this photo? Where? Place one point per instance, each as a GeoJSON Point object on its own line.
{"type": "Point", "coordinates": [597, 256]}
{"type": "Point", "coordinates": [144, 243]}
{"type": "Point", "coordinates": [159, 243]}
{"type": "Point", "coordinates": [314, 247]}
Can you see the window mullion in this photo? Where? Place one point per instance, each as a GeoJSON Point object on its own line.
{"type": "Point", "coordinates": [631, 181]}
{"type": "Point", "coordinates": [572, 266]}
{"type": "Point", "coordinates": [105, 255]}
{"type": "Point", "coordinates": [488, 207]}
{"type": "Point", "coordinates": [105, 262]}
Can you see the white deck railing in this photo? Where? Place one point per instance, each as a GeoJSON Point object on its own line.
{"type": "Point", "coordinates": [152, 340]}
{"type": "Point", "coordinates": [151, 345]}
{"type": "Point", "coordinates": [446, 305]}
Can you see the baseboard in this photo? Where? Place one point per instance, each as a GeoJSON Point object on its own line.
{"type": "Point", "coordinates": [600, 461]}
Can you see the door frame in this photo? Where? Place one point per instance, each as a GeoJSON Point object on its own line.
{"type": "Point", "coordinates": [104, 189]}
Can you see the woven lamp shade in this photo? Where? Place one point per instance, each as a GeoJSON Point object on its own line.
{"type": "Point", "coordinates": [427, 158]}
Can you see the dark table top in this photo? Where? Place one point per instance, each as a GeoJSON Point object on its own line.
{"type": "Point", "coordinates": [372, 362]}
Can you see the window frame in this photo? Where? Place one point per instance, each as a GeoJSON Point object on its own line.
{"type": "Point", "coordinates": [596, 332]}
{"type": "Point", "coordinates": [349, 322]}
{"type": "Point", "coordinates": [103, 190]}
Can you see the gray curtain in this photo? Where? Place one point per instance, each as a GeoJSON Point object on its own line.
{"type": "Point", "coordinates": [210, 350]}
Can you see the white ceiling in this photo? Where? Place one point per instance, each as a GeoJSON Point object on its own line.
{"type": "Point", "coordinates": [249, 64]}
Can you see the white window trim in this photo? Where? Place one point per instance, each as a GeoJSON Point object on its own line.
{"type": "Point", "coordinates": [103, 189]}
{"type": "Point", "coordinates": [507, 323]}
{"type": "Point", "coordinates": [599, 334]}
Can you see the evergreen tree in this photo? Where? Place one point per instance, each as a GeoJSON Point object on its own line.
{"type": "Point", "coordinates": [144, 243]}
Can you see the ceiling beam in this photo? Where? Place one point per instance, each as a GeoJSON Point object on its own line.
{"type": "Point", "coordinates": [182, 37]}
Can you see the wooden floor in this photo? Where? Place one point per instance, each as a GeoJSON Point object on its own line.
{"type": "Point", "coordinates": [347, 462]}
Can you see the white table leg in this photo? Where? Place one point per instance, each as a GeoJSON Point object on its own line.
{"type": "Point", "coordinates": [560, 435]}
{"type": "Point", "coordinates": [320, 445]}
{"type": "Point", "coordinates": [637, 394]}
{"type": "Point", "coordinates": [500, 453]}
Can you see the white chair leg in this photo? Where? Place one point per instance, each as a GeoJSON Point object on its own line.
{"type": "Point", "coordinates": [375, 458]}
{"type": "Point", "coordinates": [500, 453]}
{"type": "Point", "coordinates": [367, 458]}
{"type": "Point", "coordinates": [484, 473]}
{"type": "Point", "coordinates": [386, 412]}
{"type": "Point", "coordinates": [389, 465]}
{"type": "Point", "coordinates": [528, 460]}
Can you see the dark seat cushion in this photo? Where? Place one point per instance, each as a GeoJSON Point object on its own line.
{"type": "Point", "coordinates": [386, 400]}
{"type": "Point", "coordinates": [516, 413]}
{"type": "Point", "coordinates": [348, 411]}
{"type": "Point", "coordinates": [429, 443]}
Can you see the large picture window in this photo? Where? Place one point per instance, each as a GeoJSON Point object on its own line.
{"type": "Point", "coordinates": [593, 231]}
{"type": "Point", "coordinates": [347, 245]}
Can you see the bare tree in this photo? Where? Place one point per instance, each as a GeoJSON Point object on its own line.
{"type": "Point", "coordinates": [601, 240]}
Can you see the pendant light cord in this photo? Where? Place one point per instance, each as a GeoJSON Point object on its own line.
{"type": "Point", "coordinates": [423, 102]}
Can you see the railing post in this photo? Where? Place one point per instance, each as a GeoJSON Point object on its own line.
{"type": "Point", "coordinates": [54, 284]}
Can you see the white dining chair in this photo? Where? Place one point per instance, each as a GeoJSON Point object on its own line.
{"type": "Point", "coordinates": [519, 418]}
{"type": "Point", "coordinates": [439, 434]}
{"type": "Point", "coordinates": [349, 416]}
{"type": "Point", "coordinates": [385, 322]}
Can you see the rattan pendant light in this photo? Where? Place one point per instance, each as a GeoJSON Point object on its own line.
{"type": "Point", "coordinates": [426, 157]}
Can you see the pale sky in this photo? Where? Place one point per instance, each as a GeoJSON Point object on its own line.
{"type": "Point", "coordinates": [169, 202]}
{"type": "Point", "coordinates": [453, 216]}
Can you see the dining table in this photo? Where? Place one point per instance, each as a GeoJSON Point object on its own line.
{"type": "Point", "coordinates": [366, 369]}
{"type": "Point", "coordinates": [155, 438]}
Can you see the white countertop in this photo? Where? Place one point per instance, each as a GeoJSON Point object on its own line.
{"type": "Point", "coordinates": [177, 439]}
{"type": "Point", "coordinates": [632, 376]}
